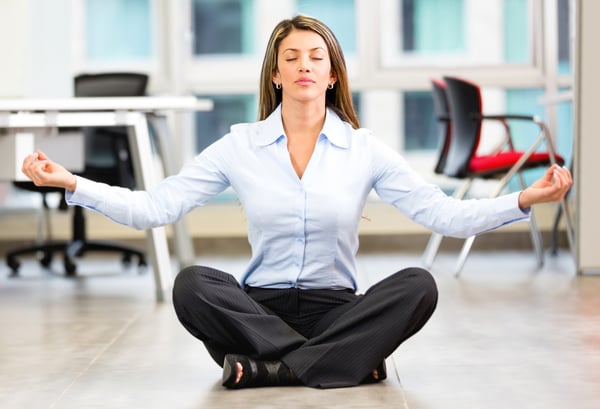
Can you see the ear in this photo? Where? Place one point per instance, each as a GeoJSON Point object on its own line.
{"type": "Point", "coordinates": [332, 78]}
{"type": "Point", "coordinates": [276, 78]}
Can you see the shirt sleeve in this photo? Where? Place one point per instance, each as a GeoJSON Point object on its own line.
{"type": "Point", "coordinates": [396, 183]}
{"type": "Point", "coordinates": [172, 198]}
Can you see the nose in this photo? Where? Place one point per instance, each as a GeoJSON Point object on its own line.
{"type": "Point", "coordinates": [304, 64]}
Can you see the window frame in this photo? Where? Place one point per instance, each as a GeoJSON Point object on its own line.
{"type": "Point", "coordinates": [174, 69]}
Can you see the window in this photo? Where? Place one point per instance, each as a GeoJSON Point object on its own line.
{"type": "Point", "coordinates": [516, 28]}
{"type": "Point", "coordinates": [432, 26]}
{"type": "Point", "coordinates": [420, 128]}
{"type": "Point", "coordinates": [222, 27]}
{"type": "Point", "coordinates": [455, 32]}
{"type": "Point", "coordinates": [117, 30]}
{"type": "Point", "coordinates": [339, 15]}
{"type": "Point", "coordinates": [565, 14]}
{"type": "Point", "coordinates": [228, 110]}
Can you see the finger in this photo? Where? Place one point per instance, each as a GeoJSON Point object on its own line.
{"type": "Point", "coordinates": [29, 159]}
{"type": "Point", "coordinates": [42, 155]}
{"type": "Point", "coordinates": [568, 172]}
{"type": "Point", "coordinates": [37, 168]}
{"type": "Point", "coordinates": [565, 176]}
{"type": "Point", "coordinates": [38, 173]}
{"type": "Point", "coordinates": [563, 182]}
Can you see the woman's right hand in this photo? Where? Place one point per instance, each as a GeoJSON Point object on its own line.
{"type": "Point", "coordinates": [43, 172]}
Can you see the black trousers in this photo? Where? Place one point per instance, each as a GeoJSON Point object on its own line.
{"type": "Point", "coordinates": [328, 338]}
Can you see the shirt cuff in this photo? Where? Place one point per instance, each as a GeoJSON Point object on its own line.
{"type": "Point", "coordinates": [507, 206]}
{"type": "Point", "coordinates": [82, 192]}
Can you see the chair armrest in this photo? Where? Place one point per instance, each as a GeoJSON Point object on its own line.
{"type": "Point", "coordinates": [510, 117]}
{"type": "Point", "coordinates": [544, 135]}
{"type": "Point", "coordinates": [504, 118]}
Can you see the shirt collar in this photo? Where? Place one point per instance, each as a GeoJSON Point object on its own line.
{"type": "Point", "coordinates": [334, 129]}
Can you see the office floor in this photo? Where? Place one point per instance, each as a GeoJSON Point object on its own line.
{"type": "Point", "coordinates": [504, 336]}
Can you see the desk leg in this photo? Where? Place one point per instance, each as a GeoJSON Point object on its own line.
{"type": "Point", "coordinates": [141, 152]}
{"type": "Point", "coordinates": [183, 248]}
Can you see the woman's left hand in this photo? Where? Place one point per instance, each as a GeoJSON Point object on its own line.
{"type": "Point", "coordinates": [552, 187]}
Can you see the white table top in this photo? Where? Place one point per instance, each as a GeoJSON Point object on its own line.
{"type": "Point", "coordinates": [153, 103]}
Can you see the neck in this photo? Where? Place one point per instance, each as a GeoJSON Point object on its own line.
{"type": "Point", "coordinates": [302, 120]}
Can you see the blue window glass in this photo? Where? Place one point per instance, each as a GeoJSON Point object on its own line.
{"type": "Point", "coordinates": [516, 29]}
{"type": "Point", "coordinates": [524, 133]}
{"type": "Point", "coordinates": [118, 30]}
{"type": "Point", "coordinates": [564, 37]}
{"type": "Point", "coordinates": [420, 127]}
{"type": "Point", "coordinates": [222, 26]}
{"type": "Point", "coordinates": [227, 110]}
{"type": "Point", "coordinates": [432, 26]}
{"type": "Point", "coordinates": [339, 15]}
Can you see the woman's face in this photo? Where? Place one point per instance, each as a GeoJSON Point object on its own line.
{"type": "Point", "coordinates": [303, 66]}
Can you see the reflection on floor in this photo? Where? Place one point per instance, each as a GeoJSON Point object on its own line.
{"type": "Point", "coordinates": [503, 336]}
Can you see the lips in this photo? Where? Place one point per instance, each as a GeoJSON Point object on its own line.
{"type": "Point", "coordinates": [304, 81]}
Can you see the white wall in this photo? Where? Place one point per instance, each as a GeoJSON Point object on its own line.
{"type": "Point", "coordinates": [587, 148]}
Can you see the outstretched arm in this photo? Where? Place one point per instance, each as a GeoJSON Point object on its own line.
{"type": "Point", "coordinates": [552, 187]}
{"type": "Point", "coordinates": [43, 172]}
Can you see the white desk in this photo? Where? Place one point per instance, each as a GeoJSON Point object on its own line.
{"type": "Point", "coordinates": [133, 113]}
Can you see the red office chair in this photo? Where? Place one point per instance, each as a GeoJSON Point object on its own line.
{"type": "Point", "coordinates": [463, 161]}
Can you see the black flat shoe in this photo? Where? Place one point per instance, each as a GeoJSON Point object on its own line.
{"type": "Point", "coordinates": [256, 373]}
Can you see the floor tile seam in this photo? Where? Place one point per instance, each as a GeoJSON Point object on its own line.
{"type": "Point", "coordinates": [96, 358]}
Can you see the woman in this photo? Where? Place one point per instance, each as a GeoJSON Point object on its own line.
{"type": "Point", "coordinates": [302, 174]}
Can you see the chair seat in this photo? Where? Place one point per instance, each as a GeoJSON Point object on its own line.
{"type": "Point", "coordinates": [500, 163]}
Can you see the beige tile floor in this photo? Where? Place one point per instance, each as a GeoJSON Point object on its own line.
{"type": "Point", "coordinates": [504, 336]}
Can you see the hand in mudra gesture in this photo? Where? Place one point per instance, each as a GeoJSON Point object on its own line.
{"type": "Point", "coordinates": [551, 187]}
{"type": "Point", "coordinates": [44, 172]}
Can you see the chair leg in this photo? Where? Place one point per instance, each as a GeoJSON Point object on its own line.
{"type": "Point", "coordinates": [432, 248]}
{"type": "Point", "coordinates": [563, 210]}
{"type": "Point", "coordinates": [554, 243]}
{"type": "Point", "coordinates": [464, 252]}
{"type": "Point", "coordinates": [435, 239]}
{"type": "Point", "coordinates": [536, 239]}
{"type": "Point", "coordinates": [564, 205]}
{"type": "Point", "coordinates": [47, 249]}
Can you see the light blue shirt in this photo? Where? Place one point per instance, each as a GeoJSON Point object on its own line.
{"type": "Point", "coordinates": [303, 232]}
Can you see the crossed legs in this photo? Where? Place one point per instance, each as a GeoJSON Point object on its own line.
{"type": "Point", "coordinates": [326, 338]}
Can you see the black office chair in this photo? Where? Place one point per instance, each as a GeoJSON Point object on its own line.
{"type": "Point", "coordinates": [442, 113]}
{"type": "Point", "coordinates": [107, 159]}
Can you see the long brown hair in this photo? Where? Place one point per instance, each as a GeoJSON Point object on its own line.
{"type": "Point", "coordinates": [339, 98]}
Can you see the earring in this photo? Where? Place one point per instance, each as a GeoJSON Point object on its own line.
{"type": "Point", "coordinates": [330, 86]}
{"type": "Point", "coordinates": [278, 86]}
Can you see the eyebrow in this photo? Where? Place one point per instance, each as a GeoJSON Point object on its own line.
{"type": "Point", "coordinates": [296, 49]}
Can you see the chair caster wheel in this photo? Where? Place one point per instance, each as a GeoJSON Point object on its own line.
{"type": "Point", "coordinates": [126, 260]}
{"type": "Point", "coordinates": [14, 266]}
{"type": "Point", "coordinates": [70, 267]}
{"type": "Point", "coordinates": [46, 260]}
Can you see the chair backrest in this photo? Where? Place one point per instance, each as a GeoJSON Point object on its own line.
{"type": "Point", "coordinates": [465, 106]}
{"type": "Point", "coordinates": [111, 84]}
{"type": "Point", "coordinates": [107, 152]}
{"type": "Point", "coordinates": [442, 114]}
